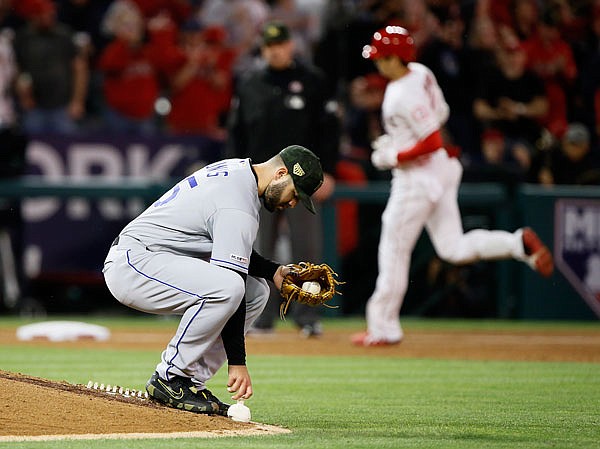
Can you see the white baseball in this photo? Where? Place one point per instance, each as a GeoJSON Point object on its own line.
{"type": "Point", "coordinates": [239, 412]}
{"type": "Point", "coordinates": [311, 287]}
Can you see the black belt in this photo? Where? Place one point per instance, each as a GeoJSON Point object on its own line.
{"type": "Point", "coordinates": [115, 242]}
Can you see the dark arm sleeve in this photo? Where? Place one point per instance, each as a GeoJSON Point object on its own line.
{"type": "Point", "coordinates": [233, 336]}
{"type": "Point", "coordinates": [262, 267]}
{"type": "Point", "coordinates": [233, 332]}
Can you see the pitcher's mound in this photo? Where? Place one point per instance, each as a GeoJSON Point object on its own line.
{"type": "Point", "coordinates": [38, 409]}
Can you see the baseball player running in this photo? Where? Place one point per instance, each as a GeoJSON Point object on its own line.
{"type": "Point", "coordinates": [190, 254]}
{"type": "Point", "coordinates": [424, 189]}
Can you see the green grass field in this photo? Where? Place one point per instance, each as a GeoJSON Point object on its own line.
{"type": "Point", "coordinates": [364, 402]}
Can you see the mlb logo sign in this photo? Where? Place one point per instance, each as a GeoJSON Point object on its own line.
{"type": "Point", "coordinates": [577, 246]}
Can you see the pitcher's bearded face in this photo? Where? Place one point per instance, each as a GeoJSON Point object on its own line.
{"type": "Point", "coordinates": [280, 194]}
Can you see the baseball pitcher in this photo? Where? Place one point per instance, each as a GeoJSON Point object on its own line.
{"type": "Point", "coordinates": [190, 254]}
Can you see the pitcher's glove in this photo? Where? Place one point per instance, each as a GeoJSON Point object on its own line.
{"type": "Point", "coordinates": [291, 288]}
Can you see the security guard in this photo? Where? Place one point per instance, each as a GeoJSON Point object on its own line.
{"type": "Point", "coordinates": [284, 101]}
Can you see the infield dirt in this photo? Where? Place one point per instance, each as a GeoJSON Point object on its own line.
{"type": "Point", "coordinates": [49, 409]}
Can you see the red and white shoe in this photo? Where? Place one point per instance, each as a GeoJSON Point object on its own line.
{"type": "Point", "coordinates": [539, 256]}
{"type": "Point", "coordinates": [364, 339]}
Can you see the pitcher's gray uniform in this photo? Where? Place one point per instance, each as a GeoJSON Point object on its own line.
{"type": "Point", "coordinates": [170, 260]}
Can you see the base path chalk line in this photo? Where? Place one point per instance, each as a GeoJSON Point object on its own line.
{"type": "Point", "coordinates": [258, 429]}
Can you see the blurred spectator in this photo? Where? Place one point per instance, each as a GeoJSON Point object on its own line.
{"type": "Point", "coordinates": [572, 160]}
{"type": "Point", "coordinates": [201, 81]}
{"type": "Point", "coordinates": [482, 42]}
{"type": "Point", "coordinates": [498, 10]}
{"type": "Point", "coordinates": [84, 17]}
{"type": "Point", "coordinates": [179, 11]}
{"type": "Point", "coordinates": [584, 39]}
{"type": "Point", "coordinates": [588, 57]}
{"type": "Point", "coordinates": [53, 73]}
{"type": "Point", "coordinates": [279, 104]}
{"type": "Point", "coordinates": [573, 18]}
{"type": "Point", "coordinates": [415, 16]}
{"type": "Point", "coordinates": [482, 45]}
{"type": "Point", "coordinates": [447, 57]}
{"type": "Point", "coordinates": [301, 24]}
{"type": "Point", "coordinates": [509, 104]}
{"type": "Point", "coordinates": [347, 26]}
{"type": "Point", "coordinates": [503, 160]}
{"type": "Point", "coordinates": [11, 16]}
{"type": "Point", "coordinates": [520, 16]}
{"type": "Point", "coordinates": [130, 67]}
{"type": "Point", "coordinates": [243, 20]}
{"type": "Point", "coordinates": [551, 59]}
{"type": "Point", "coordinates": [526, 18]}
{"type": "Point", "coordinates": [316, 9]}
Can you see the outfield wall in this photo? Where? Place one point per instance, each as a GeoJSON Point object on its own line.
{"type": "Point", "coordinates": [79, 194]}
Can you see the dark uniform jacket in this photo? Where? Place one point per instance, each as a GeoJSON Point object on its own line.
{"type": "Point", "coordinates": [273, 109]}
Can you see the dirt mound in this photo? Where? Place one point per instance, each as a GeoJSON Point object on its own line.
{"type": "Point", "coordinates": [37, 409]}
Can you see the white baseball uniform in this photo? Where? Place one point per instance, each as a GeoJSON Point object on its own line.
{"type": "Point", "coordinates": [184, 256]}
{"type": "Point", "coordinates": [423, 194]}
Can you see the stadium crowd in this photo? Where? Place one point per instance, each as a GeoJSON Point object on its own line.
{"type": "Point", "coordinates": [516, 73]}
{"type": "Point", "coordinates": [521, 77]}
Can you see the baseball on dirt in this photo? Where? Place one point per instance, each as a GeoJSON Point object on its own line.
{"type": "Point", "coordinates": [311, 287]}
{"type": "Point", "coordinates": [239, 412]}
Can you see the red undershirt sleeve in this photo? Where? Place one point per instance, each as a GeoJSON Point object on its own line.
{"type": "Point", "coordinates": [428, 145]}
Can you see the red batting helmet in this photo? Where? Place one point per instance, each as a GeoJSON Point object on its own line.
{"type": "Point", "coordinates": [391, 41]}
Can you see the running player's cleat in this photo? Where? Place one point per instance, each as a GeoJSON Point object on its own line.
{"type": "Point", "coordinates": [364, 339]}
{"type": "Point", "coordinates": [180, 393]}
{"type": "Point", "coordinates": [538, 255]}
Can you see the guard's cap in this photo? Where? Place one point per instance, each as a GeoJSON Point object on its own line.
{"type": "Point", "coordinates": [305, 169]}
{"type": "Point", "coordinates": [274, 33]}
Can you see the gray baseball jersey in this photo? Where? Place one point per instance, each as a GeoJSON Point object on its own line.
{"type": "Point", "coordinates": [212, 214]}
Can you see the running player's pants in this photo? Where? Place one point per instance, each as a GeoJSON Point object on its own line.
{"type": "Point", "coordinates": [424, 195]}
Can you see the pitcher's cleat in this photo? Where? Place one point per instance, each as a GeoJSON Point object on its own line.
{"type": "Point", "coordinates": [538, 255]}
{"type": "Point", "coordinates": [364, 339]}
{"type": "Point", "coordinates": [206, 393]}
{"type": "Point", "coordinates": [181, 393]}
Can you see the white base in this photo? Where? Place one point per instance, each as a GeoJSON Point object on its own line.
{"type": "Point", "coordinates": [62, 331]}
